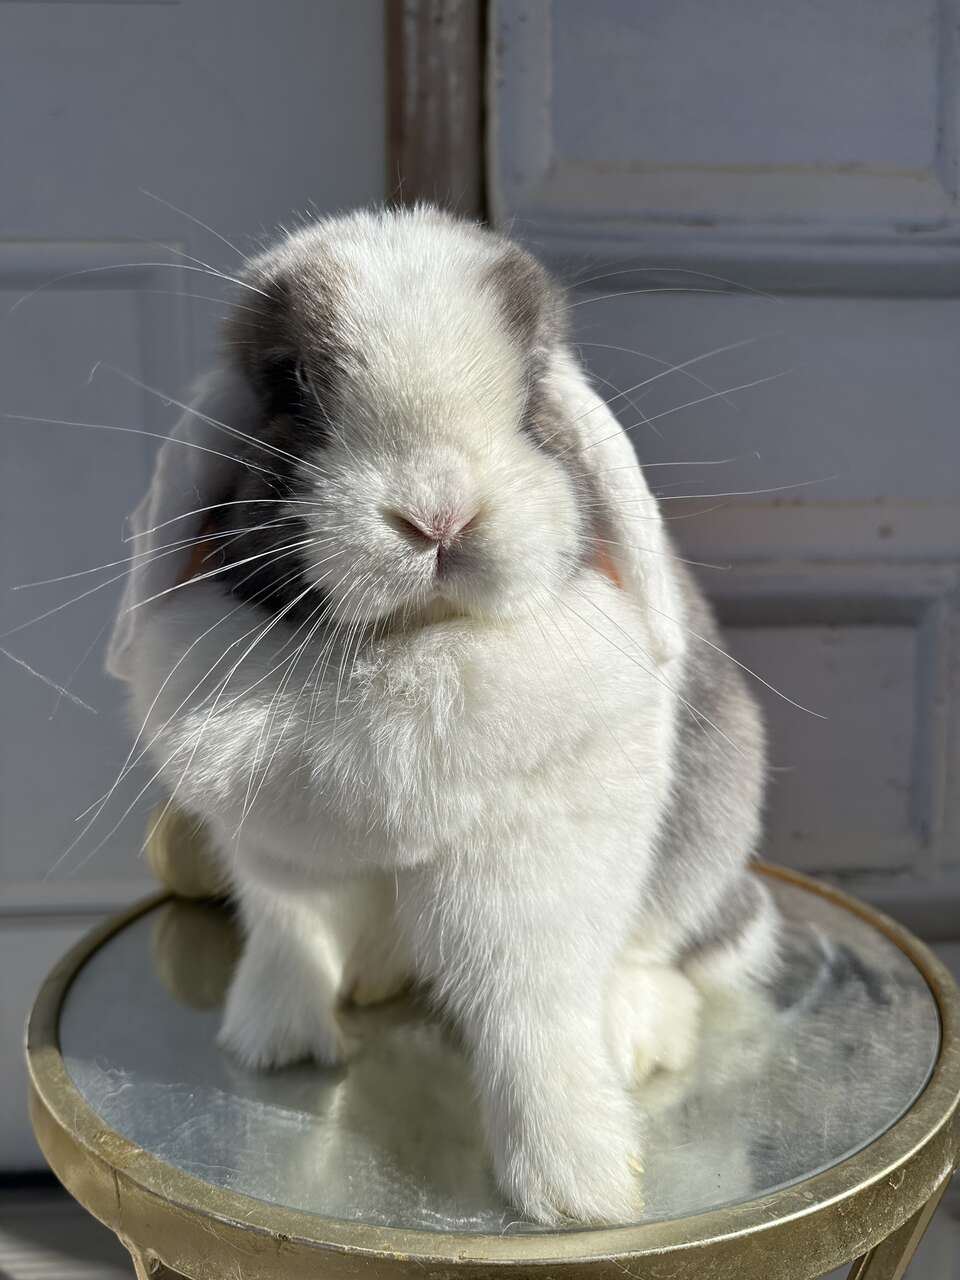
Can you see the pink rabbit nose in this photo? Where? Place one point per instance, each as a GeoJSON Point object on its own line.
{"type": "Point", "coordinates": [440, 528]}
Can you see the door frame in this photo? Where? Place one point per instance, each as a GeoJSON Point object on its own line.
{"type": "Point", "coordinates": [436, 59]}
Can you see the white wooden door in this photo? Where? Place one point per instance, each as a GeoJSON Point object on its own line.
{"type": "Point", "coordinates": [659, 151]}
{"type": "Point", "coordinates": [239, 113]}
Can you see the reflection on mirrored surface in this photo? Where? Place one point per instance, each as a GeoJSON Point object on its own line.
{"type": "Point", "coordinates": [785, 1083]}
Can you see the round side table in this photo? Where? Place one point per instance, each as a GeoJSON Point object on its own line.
{"type": "Point", "coordinates": [818, 1126]}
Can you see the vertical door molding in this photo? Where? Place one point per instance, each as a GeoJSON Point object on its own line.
{"type": "Point", "coordinates": [436, 56]}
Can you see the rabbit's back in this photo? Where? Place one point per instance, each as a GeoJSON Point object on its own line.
{"type": "Point", "coordinates": [712, 822]}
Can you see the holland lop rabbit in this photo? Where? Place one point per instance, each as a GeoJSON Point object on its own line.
{"type": "Point", "coordinates": [408, 635]}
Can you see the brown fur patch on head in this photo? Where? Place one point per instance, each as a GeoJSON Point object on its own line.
{"type": "Point", "coordinates": [291, 331]}
{"type": "Point", "coordinates": [530, 301]}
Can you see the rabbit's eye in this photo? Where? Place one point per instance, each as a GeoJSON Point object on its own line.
{"type": "Point", "coordinates": [284, 389]}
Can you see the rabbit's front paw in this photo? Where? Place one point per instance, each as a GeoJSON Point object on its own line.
{"type": "Point", "coordinates": [271, 1019]}
{"type": "Point", "coordinates": [588, 1175]}
{"type": "Point", "coordinates": [654, 1016]}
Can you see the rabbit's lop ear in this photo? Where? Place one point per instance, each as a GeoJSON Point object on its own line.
{"type": "Point", "coordinates": [625, 515]}
{"type": "Point", "coordinates": [195, 468]}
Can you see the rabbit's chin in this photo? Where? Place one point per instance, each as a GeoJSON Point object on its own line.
{"type": "Point", "coordinates": [489, 595]}
{"type": "Point", "coordinates": [487, 608]}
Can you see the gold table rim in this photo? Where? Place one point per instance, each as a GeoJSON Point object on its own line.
{"type": "Point", "coordinates": [824, 1221]}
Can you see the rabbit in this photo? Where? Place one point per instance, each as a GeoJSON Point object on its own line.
{"type": "Point", "coordinates": [423, 660]}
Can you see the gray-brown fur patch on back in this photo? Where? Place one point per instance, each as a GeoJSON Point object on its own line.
{"type": "Point", "coordinates": [737, 909]}
{"type": "Point", "coordinates": [712, 823]}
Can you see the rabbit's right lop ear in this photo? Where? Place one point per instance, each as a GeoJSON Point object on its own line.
{"type": "Point", "coordinates": [632, 541]}
{"type": "Point", "coordinates": [196, 467]}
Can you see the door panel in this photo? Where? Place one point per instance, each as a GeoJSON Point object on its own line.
{"type": "Point", "coordinates": [685, 116]}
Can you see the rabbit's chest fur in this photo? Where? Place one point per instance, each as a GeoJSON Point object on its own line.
{"type": "Point", "coordinates": [459, 734]}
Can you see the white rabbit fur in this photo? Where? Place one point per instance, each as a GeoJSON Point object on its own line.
{"type": "Point", "coordinates": [481, 771]}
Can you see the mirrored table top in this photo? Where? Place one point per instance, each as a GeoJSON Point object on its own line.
{"type": "Point", "coordinates": [786, 1083]}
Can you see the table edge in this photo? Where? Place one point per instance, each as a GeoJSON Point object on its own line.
{"type": "Point", "coordinates": [826, 1220]}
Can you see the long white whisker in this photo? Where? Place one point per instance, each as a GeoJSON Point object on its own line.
{"type": "Point", "coordinates": [48, 613]}
{"type": "Point", "coordinates": [685, 271]}
{"type": "Point", "coordinates": [59, 688]}
{"type": "Point", "coordinates": [746, 493]}
{"type": "Point", "coordinates": [235, 502]}
{"type": "Point", "coordinates": [76, 670]}
{"type": "Point", "coordinates": [646, 466]}
{"type": "Point", "coordinates": [126, 266]}
{"type": "Point", "coordinates": [311, 633]}
{"type": "Point", "coordinates": [742, 665]}
{"type": "Point", "coordinates": [153, 553]}
{"type": "Point", "coordinates": [743, 386]}
{"type": "Point", "coordinates": [651, 551]}
{"type": "Point", "coordinates": [274, 621]}
{"type": "Point", "coordinates": [629, 293]}
{"type": "Point", "coordinates": [193, 218]}
{"type": "Point", "coordinates": [589, 676]}
{"type": "Point", "coordinates": [682, 367]}
{"type": "Point", "coordinates": [731, 493]}
{"type": "Point", "coordinates": [201, 297]}
{"type": "Point", "coordinates": [270, 624]}
{"type": "Point", "coordinates": [136, 431]}
{"type": "Point", "coordinates": [212, 573]}
{"type": "Point", "coordinates": [320, 614]}
{"type": "Point", "coordinates": [267, 726]}
{"type": "Point", "coordinates": [230, 536]}
{"type": "Point", "coordinates": [319, 667]}
{"type": "Point", "coordinates": [133, 757]}
{"type": "Point", "coordinates": [649, 671]}
{"type": "Point", "coordinates": [618, 395]}
{"type": "Point", "coordinates": [214, 422]}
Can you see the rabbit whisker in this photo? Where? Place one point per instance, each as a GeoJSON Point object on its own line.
{"type": "Point", "coordinates": [127, 266]}
{"type": "Point", "coordinates": [588, 674]}
{"type": "Point", "coordinates": [136, 431]}
{"type": "Point", "coordinates": [738, 285]}
{"type": "Point", "coordinates": [133, 757]}
{"type": "Point", "coordinates": [273, 622]}
{"type": "Point", "coordinates": [267, 725]}
{"type": "Point", "coordinates": [152, 195]}
{"type": "Point", "coordinates": [682, 367]}
{"type": "Point", "coordinates": [618, 395]}
{"type": "Point", "coordinates": [743, 667]}
{"type": "Point", "coordinates": [731, 493]}
{"type": "Point", "coordinates": [214, 422]}
{"type": "Point", "coordinates": [212, 573]}
{"type": "Point", "coordinates": [630, 293]}
{"type": "Point", "coordinates": [59, 688]}
{"type": "Point", "coordinates": [699, 715]}
{"type": "Point", "coordinates": [698, 564]}
{"type": "Point", "coordinates": [216, 506]}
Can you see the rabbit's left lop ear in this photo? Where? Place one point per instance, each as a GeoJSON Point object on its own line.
{"type": "Point", "coordinates": [627, 517]}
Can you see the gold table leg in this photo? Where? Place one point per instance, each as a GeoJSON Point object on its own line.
{"type": "Point", "coordinates": [889, 1259]}
{"type": "Point", "coordinates": [148, 1266]}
